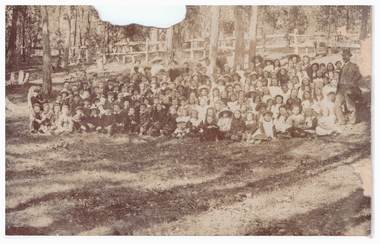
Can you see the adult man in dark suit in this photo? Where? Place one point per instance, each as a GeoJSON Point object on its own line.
{"type": "Point", "coordinates": [348, 89]}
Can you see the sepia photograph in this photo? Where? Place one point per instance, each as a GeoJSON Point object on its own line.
{"type": "Point", "coordinates": [239, 120]}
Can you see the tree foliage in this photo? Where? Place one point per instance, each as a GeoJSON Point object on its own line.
{"type": "Point", "coordinates": [88, 29]}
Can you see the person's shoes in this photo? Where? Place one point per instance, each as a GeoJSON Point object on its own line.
{"type": "Point", "coordinates": [287, 136]}
{"type": "Point", "coordinates": [342, 122]}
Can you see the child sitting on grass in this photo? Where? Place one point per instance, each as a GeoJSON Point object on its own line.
{"type": "Point", "coordinates": [310, 122]}
{"type": "Point", "coordinates": [108, 120]}
{"type": "Point", "coordinates": [237, 126]}
{"type": "Point", "coordinates": [37, 119]}
{"type": "Point", "coordinates": [131, 121]}
{"type": "Point", "coordinates": [209, 130]}
{"type": "Point", "coordinates": [80, 120]}
{"type": "Point", "coordinates": [224, 123]}
{"type": "Point", "coordinates": [93, 121]}
{"type": "Point", "coordinates": [326, 123]}
{"type": "Point", "coordinates": [157, 120]}
{"type": "Point", "coordinates": [280, 121]}
{"type": "Point", "coordinates": [296, 121]}
{"type": "Point", "coordinates": [65, 122]}
{"type": "Point", "coordinates": [144, 120]}
{"type": "Point", "coordinates": [193, 125]}
{"type": "Point", "coordinates": [250, 127]}
{"type": "Point", "coordinates": [266, 129]}
{"type": "Point", "coordinates": [119, 118]}
{"type": "Point", "coordinates": [170, 123]}
{"type": "Point", "coordinates": [55, 117]}
{"type": "Point", "coordinates": [181, 124]}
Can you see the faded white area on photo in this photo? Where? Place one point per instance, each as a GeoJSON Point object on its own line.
{"type": "Point", "coordinates": [158, 16]}
{"type": "Point", "coordinates": [165, 19]}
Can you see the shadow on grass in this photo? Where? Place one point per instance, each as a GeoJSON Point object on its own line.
{"type": "Point", "coordinates": [96, 205]}
{"type": "Point", "coordinates": [329, 220]}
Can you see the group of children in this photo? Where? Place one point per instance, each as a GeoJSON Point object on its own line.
{"type": "Point", "coordinates": [267, 102]}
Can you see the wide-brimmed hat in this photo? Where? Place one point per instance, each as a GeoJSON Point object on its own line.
{"type": "Point", "coordinates": [65, 91]}
{"type": "Point", "coordinates": [315, 64]}
{"type": "Point", "coordinates": [221, 79]}
{"type": "Point", "coordinates": [291, 56]}
{"type": "Point", "coordinates": [220, 102]}
{"type": "Point", "coordinates": [237, 84]}
{"type": "Point", "coordinates": [180, 85]}
{"type": "Point", "coordinates": [108, 106]}
{"type": "Point", "coordinates": [253, 73]}
{"type": "Point", "coordinates": [93, 107]}
{"type": "Point", "coordinates": [204, 87]}
{"type": "Point", "coordinates": [261, 105]}
{"type": "Point", "coordinates": [268, 112]}
{"type": "Point", "coordinates": [148, 90]}
{"type": "Point", "coordinates": [278, 95]}
{"type": "Point", "coordinates": [268, 60]}
{"type": "Point", "coordinates": [79, 108]}
{"type": "Point", "coordinates": [237, 75]}
{"type": "Point", "coordinates": [229, 85]}
{"type": "Point", "coordinates": [223, 111]}
{"type": "Point", "coordinates": [256, 56]}
{"type": "Point", "coordinates": [250, 92]}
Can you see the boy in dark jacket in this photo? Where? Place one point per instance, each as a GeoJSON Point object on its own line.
{"type": "Point", "coordinates": [131, 121]}
{"type": "Point", "coordinates": [144, 120]}
{"type": "Point", "coordinates": [108, 120]}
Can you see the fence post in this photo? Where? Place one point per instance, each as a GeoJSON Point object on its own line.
{"type": "Point", "coordinates": [191, 48]}
{"type": "Point", "coordinates": [204, 48]}
{"type": "Point", "coordinates": [233, 48]}
{"type": "Point", "coordinates": [295, 41]}
{"type": "Point", "coordinates": [87, 56]}
{"type": "Point", "coordinates": [147, 49]}
{"type": "Point", "coordinates": [307, 50]}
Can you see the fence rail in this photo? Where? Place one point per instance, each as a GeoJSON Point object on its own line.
{"type": "Point", "coordinates": [267, 42]}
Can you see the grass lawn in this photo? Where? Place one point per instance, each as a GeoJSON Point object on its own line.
{"type": "Point", "coordinates": [92, 184]}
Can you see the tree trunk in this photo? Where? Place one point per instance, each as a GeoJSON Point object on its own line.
{"type": "Point", "coordinates": [46, 69]}
{"type": "Point", "coordinates": [347, 18]}
{"type": "Point", "coordinates": [23, 33]}
{"type": "Point", "coordinates": [177, 42]}
{"type": "Point", "coordinates": [169, 44]}
{"type": "Point", "coordinates": [59, 18]}
{"type": "Point", "coordinates": [75, 30]}
{"type": "Point", "coordinates": [214, 38]}
{"type": "Point", "coordinates": [252, 36]}
{"type": "Point", "coordinates": [239, 37]}
{"type": "Point", "coordinates": [66, 47]}
{"type": "Point", "coordinates": [363, 29]}
{"type": "Point", "coordinates": [11, 50]}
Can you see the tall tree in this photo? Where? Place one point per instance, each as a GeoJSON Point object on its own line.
{"type": "Point", "coordinates": [252, 36]}
{"type": "Point", "coordinates": [11, 50]}
{"type": "Point", "coordinates": [75, 29]}
{"type": "Point", "coordinates": [364, 20]}
{"type": "Point", "coordinates": [66, 47]}
{"type": "Point", "coordinates": [173, 43]}
{"type": "Point", "coordinates": [239, 36]}
{"type": "Point", "coordinates": [46, 69]}
{"type": "Point", "coordinates": [214, 38]}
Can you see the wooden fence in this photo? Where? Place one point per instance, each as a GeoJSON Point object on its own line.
{"type": "Point", "coordinates": [306, 42]}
